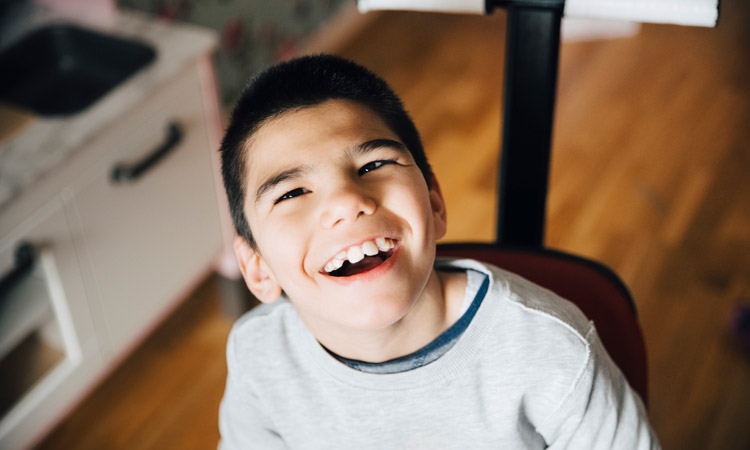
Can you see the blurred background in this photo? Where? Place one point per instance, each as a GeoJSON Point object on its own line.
{"type": "Point", "coordinates": [651, 152]}
{"type": "Point", "coordinates": [253, 34]}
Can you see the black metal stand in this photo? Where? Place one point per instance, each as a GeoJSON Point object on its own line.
{"type": "Point", "coordinates": [533, 47]}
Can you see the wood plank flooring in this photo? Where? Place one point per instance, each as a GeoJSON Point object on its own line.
{"type": "Point", "coordinates": [166, 394]}
{"type": "Point", "coordinates": [649, 175]}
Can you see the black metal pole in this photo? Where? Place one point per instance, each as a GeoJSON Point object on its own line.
{"type": "Point", "coordinates": [531, 66]}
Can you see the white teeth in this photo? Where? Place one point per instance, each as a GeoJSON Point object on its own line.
{"type": "Point", "coordinates": [369, 248]}
{"type": "Point", "coordinates": [335, 263]}
{"type": "Point", "coordinates": [382, 244]}
{"type": "Point", "coordinates": [357, 253]}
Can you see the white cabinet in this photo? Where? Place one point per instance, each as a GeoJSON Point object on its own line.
{"type": "Point", "coordinates": [144, 239]}
{"type": "Point", "coordinates": [114, 253]}
{"type": "Point", "coordinates": [48, 346]}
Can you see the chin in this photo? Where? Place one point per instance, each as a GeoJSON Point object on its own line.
{"type": "Point", "coordinates": [379, 316]}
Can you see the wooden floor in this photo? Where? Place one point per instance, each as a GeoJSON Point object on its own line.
{"type": "Point", "coordinates": [649, 175]}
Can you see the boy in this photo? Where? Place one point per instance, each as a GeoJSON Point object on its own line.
{"type": "Point", "coordinates": [365, 341]}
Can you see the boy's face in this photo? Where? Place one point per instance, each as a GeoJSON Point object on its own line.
{"type": "Point", "coordinates": [334, 180]}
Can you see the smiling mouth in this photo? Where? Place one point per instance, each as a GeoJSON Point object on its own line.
{"type": "Point", "coordinates": [365, 265]}
{"type": "Point", "coordinates": [360, 258]}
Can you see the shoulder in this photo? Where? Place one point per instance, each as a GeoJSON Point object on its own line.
{"type": "Point", "coordinates": [262, 316]}
{"type": "Point", "coordinates": [542, 324]}
{"type": "Point", "coordinates": [517, 299]}
{"type": "Point", "coordinates": [262, 332]}
{"type": "Point", "coordinates": [538, 343]}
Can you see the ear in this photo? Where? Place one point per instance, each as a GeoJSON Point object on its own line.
{"type": "Point", "coordinates": [258, 276]}
{"type": "Point", "coordinates": [439, 214]}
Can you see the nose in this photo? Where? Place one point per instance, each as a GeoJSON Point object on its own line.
{"type": "Point", "coordinates": [346, 204]}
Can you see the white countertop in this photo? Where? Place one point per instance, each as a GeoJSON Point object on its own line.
{"type": "Point", "coordinates": [45, 142]}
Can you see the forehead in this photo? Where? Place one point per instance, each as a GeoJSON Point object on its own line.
{"type": "Point", "coordinates": [303, 135]}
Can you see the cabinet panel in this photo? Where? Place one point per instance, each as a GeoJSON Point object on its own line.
{"type": "Point", "coordinates": [48, 348]}
{"type": "Point", "coordinates": [146, 239]}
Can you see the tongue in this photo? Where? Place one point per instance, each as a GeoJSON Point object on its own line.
{"type": "Point", "coordinates": [370, 262]}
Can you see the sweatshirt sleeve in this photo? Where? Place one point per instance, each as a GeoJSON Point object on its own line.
{"type": "Point", "coordinates": [242, 422]}
{"type": "Point", "coordinates": [601, 411]}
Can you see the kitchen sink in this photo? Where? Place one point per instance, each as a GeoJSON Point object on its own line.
{"type": "Point", "coordinates": [61, 69]}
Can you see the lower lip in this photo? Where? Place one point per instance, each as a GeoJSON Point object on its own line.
{"type": "Point", "coordinates": [375, 272]}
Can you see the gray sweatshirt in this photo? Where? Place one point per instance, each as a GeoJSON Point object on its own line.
{"type": "Point", "coordinates": [529, 372]}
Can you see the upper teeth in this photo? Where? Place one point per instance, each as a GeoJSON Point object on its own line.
{"type": "Point", "coordinates": [357, 253]}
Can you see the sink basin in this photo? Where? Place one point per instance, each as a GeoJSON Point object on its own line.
{"type": "Point", "coordinates": [62, 69]}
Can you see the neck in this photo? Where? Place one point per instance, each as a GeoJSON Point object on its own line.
{"type": "Point", "coordinates": [431, 314]}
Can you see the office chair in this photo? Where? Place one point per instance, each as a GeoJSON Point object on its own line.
{"type": "Point", "coordinates": [533, 41]}
{"type": "Point", "coordinates": [532, 49]}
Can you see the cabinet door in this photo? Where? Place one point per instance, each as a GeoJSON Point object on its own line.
{"type": "Point", "coordinates": [48, 349]}
{"type": "Point", "coordinates": [148, 239]}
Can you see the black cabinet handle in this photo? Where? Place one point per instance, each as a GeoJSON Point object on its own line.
{"type": "Point", "coordinates": [24, 262]}
{"type": "Point", "coordinates": [131, 172]}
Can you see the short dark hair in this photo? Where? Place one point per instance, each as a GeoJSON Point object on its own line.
{"type": "Point", "coordinates": [300, 83]}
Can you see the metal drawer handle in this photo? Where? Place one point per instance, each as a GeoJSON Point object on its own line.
{"type": "Point", "coordinates": [131, 172]}
{"type": "Point", "coordinates": [25, 256]}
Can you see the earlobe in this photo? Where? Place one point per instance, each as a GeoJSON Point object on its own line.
{"type": "Point", "coordinates": [258, 276]}
{"type": "Point", "coordinates": [439, 213]}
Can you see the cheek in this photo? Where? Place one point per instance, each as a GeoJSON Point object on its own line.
{"type": "Point", "coordinates": [413, 202]}
{"type": "Point", "coordinates": [284, 242]}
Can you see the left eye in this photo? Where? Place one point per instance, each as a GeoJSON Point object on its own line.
{"type": "Point", "coordinates": [369, 167]}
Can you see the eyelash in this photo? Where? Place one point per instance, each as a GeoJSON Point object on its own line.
{"type": "Point", "coordinates": [369, 167]}
{"type": "Point", "coordinates": [291, 194]}
{"type": "Point", "coordinates": [379, 163]}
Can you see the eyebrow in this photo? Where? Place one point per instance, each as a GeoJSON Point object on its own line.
{"type": "Point", "coordinates": [375, 144]}
{"type": "Point", "coordinates": [279, 178]}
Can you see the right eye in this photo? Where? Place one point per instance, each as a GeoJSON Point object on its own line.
{"type": "Point", "coordinates": [374, 165]}
{"type": "Point", "coordinates": [291, 194]}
